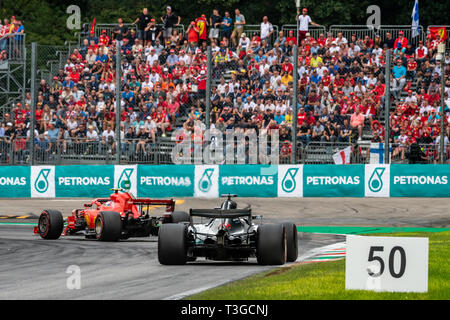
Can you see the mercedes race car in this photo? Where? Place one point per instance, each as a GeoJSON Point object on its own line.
{"type": "Point", "coordinates": [229, 234]}
{"type": "Point", "coordinates": [121, 216]}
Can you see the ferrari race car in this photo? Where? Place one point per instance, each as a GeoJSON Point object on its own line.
{"type": "Point", "coordinates": [120, 216]}
{"type": "Point", "coordinates": [229, 234]}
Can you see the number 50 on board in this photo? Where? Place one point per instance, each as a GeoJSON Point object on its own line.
{"type": "Point", "coordinates": [391, 264]}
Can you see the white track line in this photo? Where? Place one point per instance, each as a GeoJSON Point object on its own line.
{"type": "Point", "coordinates": [309, 254]}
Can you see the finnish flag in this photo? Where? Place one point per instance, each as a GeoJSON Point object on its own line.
{"type": "Point", "coordinates": [377, 153]}
{"type": "Point", "coordinates": [415, 20]}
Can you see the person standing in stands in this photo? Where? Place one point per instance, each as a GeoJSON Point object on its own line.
{"type": "Point", "coordinates": [120, 32]}
{"type": "Point", "coordinates": [169, 20]}
{"type": "Point", "coordinates": [226, 26]}
{"type": "Point", "coordinates": [238, 27]}
{"type": "Point", "coordinates": [202, 25]}
{"type": "Point", "coordinates": [142, 23]}
{"type": "Point", "coordinates": [215, 22]}
{"type": "Point", "coordinates": [303, 24]}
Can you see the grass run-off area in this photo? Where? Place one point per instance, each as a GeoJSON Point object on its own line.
{"type": "Point", "coordinates": [326, 280]}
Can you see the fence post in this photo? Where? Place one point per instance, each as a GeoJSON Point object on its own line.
{"type": "Point", "coordinates": [118, 100]}
{"type": "Point", "coordinates": [442, 138]}
{"type": "Point", "coordinates": [208, 87]}
{"type": "Point", "coordinates": [33, 100]}
{"type": "Point", "coordinates": [295, 106]}
{"type": "Point", "coordinates": [387, 107]}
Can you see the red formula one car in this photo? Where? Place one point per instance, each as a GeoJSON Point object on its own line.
{"type": "Point", "coordinates": [120, 216]}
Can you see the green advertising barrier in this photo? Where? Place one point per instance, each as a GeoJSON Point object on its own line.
{"type": "Point", "coordinates": [83, 181]}
{"type": "Point", "coordinates": [165, 181]}
{"type": "Point", "coordinates": [249, 180]}
{"type": "Point", "coordinates": [420, 180]}
{"type": "Point", "coordinates": [333, 181]}
{"type": "Point", "coordinates": [259, 181]}
{"type": "Point", "coordinates": [15, 182]}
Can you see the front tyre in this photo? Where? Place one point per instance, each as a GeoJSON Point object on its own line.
{"type": "Point", "coordinates": [51, 224]}
{"type": "Point", "coordinates": [108, 226]}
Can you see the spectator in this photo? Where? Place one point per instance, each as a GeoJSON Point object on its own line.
{"type": "Point", "coordinates": [121, 32]}
{"type": "Point", "coordinates": [215, 22]}
{"type": "Point", "coordinates": [169, 20]}
{"type": "Point", "coordinates": [304, 20]}
{"type": "Point", "coordinates": [142, 23]}
{"type": "Point", "coordinates": [399, 79]}
{"type": "Point", "coordinates": [266, 30]}
{"type": "Point", "coordinates": [239, 23]}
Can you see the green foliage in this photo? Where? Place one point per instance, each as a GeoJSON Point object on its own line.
{"type": "Point", "coordinates": [45, 20]}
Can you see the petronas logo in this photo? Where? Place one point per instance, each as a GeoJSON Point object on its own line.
{"type": "Point", "coordinates": [288, 184]}
{"type": "Point", "coordinates": [41, 183]}
{"type": "Point", "coordinates": [205, 183]}
{"type": "Point", "coordinates": [376, 181]}
{"type": "Point", "coordinates": [125, 179]}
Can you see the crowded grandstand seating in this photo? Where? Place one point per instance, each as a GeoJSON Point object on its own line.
{"type": "Point", "coordinates": [164, 73]}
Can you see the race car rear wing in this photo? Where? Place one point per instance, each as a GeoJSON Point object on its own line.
{"type": "Point", "coordinates": [219, 213]}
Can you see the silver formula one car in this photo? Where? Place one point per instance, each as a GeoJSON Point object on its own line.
{"type": "Point", "coordinates": [229, 234]}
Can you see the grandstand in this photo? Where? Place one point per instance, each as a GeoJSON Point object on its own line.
{"type": "Point", "coordinates": [164, 83]}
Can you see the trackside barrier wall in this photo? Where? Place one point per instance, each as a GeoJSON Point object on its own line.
{"type": "Point", "coordinates": [211, 181]}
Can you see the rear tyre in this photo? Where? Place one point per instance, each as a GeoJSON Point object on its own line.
{"type": "Point", "coordinates": [108, 226]}
{"type": "Point", "coordinates": [172, 244]}
{"type": "Point", "coordinates": [51, 224]}
{"type": "Point", "coordinates": [271, 244]}
{"type": "Point", "coordinates": [180, 217]}
{"type": "Point", "coordinates": [291, 241]}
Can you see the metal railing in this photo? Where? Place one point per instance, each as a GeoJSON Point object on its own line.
{"type": "Point", "coordinates": [418, 153]}
{"type": "Point", "coordinates": [73, 151]}
{"type": "Point", "coordinates": [362, 31]}
{"type": "Point", "coordinates": [314, 31]}
{"type": "Point", "coordinates": [14, 46]}
{"type": "Point", "coordinates": [252, 29]}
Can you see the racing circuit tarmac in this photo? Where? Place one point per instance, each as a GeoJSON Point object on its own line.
{"type": "Point", "coordinates": [32, 268]}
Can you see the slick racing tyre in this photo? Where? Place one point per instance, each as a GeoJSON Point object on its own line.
{"type": "Point", "coordinates": [180, 217]}
{"type": "Point", "coordinates": [51, 224]}
{"type": "Point", "coordinates": [271, 244]}
{"type": "Point", "coordinates": [108, 226]}
{"type": "Point", "coordinates": [172, 244]}
{"type": "Point", "coordinates": [291, 241]}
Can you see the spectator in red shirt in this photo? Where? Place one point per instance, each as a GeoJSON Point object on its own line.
{"type": "Point", "coordinates": [401, 39]}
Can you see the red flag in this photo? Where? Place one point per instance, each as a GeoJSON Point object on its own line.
{"type": "Point", "coordinates": [93, 27]}
{"type": "Point", "coordinates": [438, 31]}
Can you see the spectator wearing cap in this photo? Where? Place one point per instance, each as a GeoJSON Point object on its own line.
{"type": "Point", "coordinates": [304, 20]}
{"type": "Point", "coordinates": [202, 26]}
{"type": "Point", "coordinates": [193, 32]}
{"type": "Point", "coordinates": [172, 59]}
{"type": "Point", "coordinates": [401, 39]}
{"type": "Point", "coordinates": [152, 33]}
{"type": "Point", "coordinates": [169, 20]}
{"type": "Point", "coordinates": [239, 23]}
{"type": "Point", "coordinates": [104, 39]}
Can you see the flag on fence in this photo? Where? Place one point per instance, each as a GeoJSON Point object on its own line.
{"type": "Point", "coordinates": [438, 31]}
{"type": "Point", "coordinates": [343, 157]}
{"type": "Point", "coordinates": [415, 20]}
{"type": "Point", "coordinates": [93, 27]}
{"type": "Point", "coordinates": [377, 153]}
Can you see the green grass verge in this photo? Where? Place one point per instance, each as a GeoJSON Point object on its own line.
{"type": "Point", "coordinates": [326, 281]}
